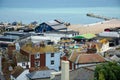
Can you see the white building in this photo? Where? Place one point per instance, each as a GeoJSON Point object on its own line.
{"type": "Point", "coordinates": [109, 34]}
{"type": "Point", "coordinates": [43, 56]}
{"type": "Point", "coordinates": [53, 36]}
{"type": "Point", "coordinates": [53, 60]}
{"type": "Point", "coordinates": [23, 64]}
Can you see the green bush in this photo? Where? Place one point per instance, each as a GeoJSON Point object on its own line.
{"type": "Point", "coordinates": [107, 71]}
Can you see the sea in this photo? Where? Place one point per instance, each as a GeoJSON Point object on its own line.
{"type": "Point", "coordinates": [72, 15]}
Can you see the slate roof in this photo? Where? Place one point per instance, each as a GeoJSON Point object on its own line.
{"type": "Point", "coordinates": [8, 38]}
{"type": "Point", "coordinates": [115, 58]}
{"type": "Point", "coordinates": [17, 71]}
{"type": "Point", "coordinates": [79, 74]}
{"type": "Point", "coordinates": [114, 52]}
{"type": "Point", "coordinates": [40, 74]}
{"type": "Point", "coordinates": [85, 58]}
{"type": "Point", "coordinates": [62, 32]}
{"type": "Point", "coordinates": [56, 24]}
{"type": "Point", "coordinates": [20, 35]}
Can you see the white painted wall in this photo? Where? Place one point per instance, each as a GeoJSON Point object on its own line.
{"type": "Point", "coordinates": [20, 64]}
{"type": "Point", "coordinates": [109, 34]}
{"type": "Point", "coordinates": [56, 59]}
{"type": "Point", "coordinates": [84, 65]}
{"type": "Point", "coordinates": [104, 48]}
{"type": "Point", "coordinates": [51, 36]}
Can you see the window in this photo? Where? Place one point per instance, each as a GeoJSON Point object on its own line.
{"type": "Point", "coordinates": [23, 63]}
{"type": "Point", "coordinates": [37, 56]}
{"type": "Point", "coordinates": [72, 34]}
{"type": "Point", "coordinates": [37, 63]}
{"type": "Point", "coordinates": [52, 54]}
{"type": "Point", "coordinates": [52, 62]}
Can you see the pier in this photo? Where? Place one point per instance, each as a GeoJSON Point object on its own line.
{"type": "Point", "coordinates": [98, 16]}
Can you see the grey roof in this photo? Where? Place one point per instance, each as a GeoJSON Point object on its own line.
{"type": "Point", "coordinates": [109, 34]}
{"type": "Point", "coordinates": [62, 32]}
{"type": "Point", "coordinates": [8, 38]}
{"type": "Point", "coordinates": [40, 74]}
{"type": "Point", "coordinates": [113, 52]}
{"type": "Point", "coordinates": [21, 35]}
{"type": "Point", "coordinates": [115, 58]}
{"type": "Point", "coordinates": [79, 74]}
{"type": "Point", "coordinates": [58, 27]}
{"type": "Point", "coordinates": [55, 24]}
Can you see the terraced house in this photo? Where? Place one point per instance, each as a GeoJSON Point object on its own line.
{"type": "Point", "coordinates": [42, 56]}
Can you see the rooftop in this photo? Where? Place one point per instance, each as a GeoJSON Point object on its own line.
{"type": "Point", "coordinates": [39, 49]}
{"type": "Point", "coordinates": [40, 74]}
{"type": "Point", "coordinates": [90, 58]}
{"type": "Point", "coordinates": [79, 74]}
{"type": "Point", "coordinates": [56, 24]}
{"type": "Point", "coordinates": [17, 71]}
{"type": "Point", "coordinates": [8, 38]}
{"type": "Point", "coordinates": [85, 58]}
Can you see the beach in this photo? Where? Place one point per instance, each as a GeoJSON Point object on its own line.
{"type": "Point", "coordinates": [95, 28]}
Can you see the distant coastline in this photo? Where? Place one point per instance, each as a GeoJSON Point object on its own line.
{"type": "Point", "coordinates": [72, 15]}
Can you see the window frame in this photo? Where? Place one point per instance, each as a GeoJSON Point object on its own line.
{"type": "Point", "coordinates": [23, 64]}
{"type": "Point", "coordinates": [52, 62]}
{"type": "Point", "coordinates": [37, 63]}
{"type": "Point", "coordinates": [37, 56]}
{"type": "Point", "coordinates": [52, 55]}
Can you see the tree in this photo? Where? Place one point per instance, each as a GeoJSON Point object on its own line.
{"type": "Point", "coordinates": [101, 76]}
{"type": "Point", "coordinates": [107, 71]}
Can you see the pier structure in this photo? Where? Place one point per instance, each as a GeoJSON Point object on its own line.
{"type": "Point", "coordinates": [98, 16]}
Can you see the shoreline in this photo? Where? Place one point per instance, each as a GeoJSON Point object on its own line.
{"type": "Point", "coordinates": [95, 27]}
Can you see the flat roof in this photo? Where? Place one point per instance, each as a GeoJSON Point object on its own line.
{"type": "Point", "coordinates": [40, 74]}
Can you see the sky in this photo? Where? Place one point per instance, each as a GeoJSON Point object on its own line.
{"type": "Point", "coordinates": [57, 3]}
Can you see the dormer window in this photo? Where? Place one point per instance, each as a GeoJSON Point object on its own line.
{"type": "Point", "coordinates": [37, 55]}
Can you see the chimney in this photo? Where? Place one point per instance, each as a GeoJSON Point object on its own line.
{"type": "Point", "coordinates": [65, 70]}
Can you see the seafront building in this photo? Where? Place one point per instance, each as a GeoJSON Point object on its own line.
{"type": "Point", "coordinates": [53, 25]}
{"type": "Point", "coordinates": [52, 36]}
